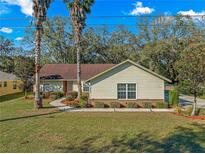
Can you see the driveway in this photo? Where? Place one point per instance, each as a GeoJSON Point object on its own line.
{"type": "Point", "coordinates": [188, 100]}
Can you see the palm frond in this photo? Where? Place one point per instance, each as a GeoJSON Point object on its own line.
{"type": "Point", "coordinates": [40, 8]}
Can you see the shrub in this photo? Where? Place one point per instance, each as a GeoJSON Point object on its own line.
{"type": "Point", "coordinates": [147, 105]}
{"type": "Point", "coordinates": [85, 96]}
{"type": "Point", "coordinates": [161, 105]}
{"type": "Point", "coordinates": [69, 98]}
{"type": "Point", "coordinates": [188, 111]}
{"type": "Point", "coordinates": [46, 95]}
{"type": "Point", "coordinates": [74, 94]}
{"type": "Point", "coordinates": [173, 97]}
{"type": "Point", "coordinates": [75, 104]}
{"type": "Point", "coordinates": [115, 105]}
{"type": "Point", "coordinates": [53, 97]}
{"type": "Point", "coordinates": [178, 109]}
{"type": "Point", "coordinates": [99, 105]}
{"type": "Point", "coordinates": [132, 105]}
{"type": "Point", "coordinates": [202, 112]}
{"type": "Point", "coordinates": [56, 95]}
{"type": "Point", "coordinates": [83, 103]}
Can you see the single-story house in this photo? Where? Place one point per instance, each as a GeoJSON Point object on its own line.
{"type": "Point", "coordinates": [9, 83]}
{"type": "Point", "coordinates": [127, 81]}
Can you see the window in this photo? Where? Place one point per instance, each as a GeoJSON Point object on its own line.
{"type": "Point", "coordinates": [131, 91]}
{"type": "Point", "coordinates": [0, 84]}
{"type": "Point", "coordinates": [86, 87]}
{"type": "Point", "coordinates": [121, 91]}
{"type": "Point", "coordinates": [126, 91]}
{"type": "Point", "coordinates": [5, 84]}
{"type": "Point", "coordinates": [14, 84]}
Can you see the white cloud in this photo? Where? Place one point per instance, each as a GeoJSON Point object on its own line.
{"type": "Point", "coordinates": [140, 9]}
{"type": "Point", "coordinates": [191, 13]}
{"type": "Point", "coordinates": [19, 38]}
{"type": "Point", "coordinates": [6, 30]}
{"type": "Point", "coordinates": [25, 5]}
{"type": "Point", "coordinates": [195, 15]}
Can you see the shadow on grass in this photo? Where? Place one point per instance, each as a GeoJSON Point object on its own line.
{"type": "Point", "coordinates": [11, 96]}
{"type": "Point", "coordinates": [30, 116]}
{"type": "Point", "coordinates": [182, 140]}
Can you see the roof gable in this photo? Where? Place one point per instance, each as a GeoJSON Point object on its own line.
{"type": "Point", "coordinates": [69, 71]}
{"type": "Point", "coordinates": [133, 63]}
{"type": "Point", "coordinates": [7, 76]}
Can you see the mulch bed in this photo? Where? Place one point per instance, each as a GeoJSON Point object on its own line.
{"type": "Point", "coordinates": [69, 102]}
{"type": "Point", "coordinates": [191, 117]}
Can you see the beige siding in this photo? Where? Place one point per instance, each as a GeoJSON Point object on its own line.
{"type": "Point", "coordinates": [148, 85]}
{"type": "Point", "coordinates": [75, 85]}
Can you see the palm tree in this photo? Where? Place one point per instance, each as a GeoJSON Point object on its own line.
{"type": "Point", "coordinates": [78, 10]}
{"type": "Point", "coordinates": [39, 12]}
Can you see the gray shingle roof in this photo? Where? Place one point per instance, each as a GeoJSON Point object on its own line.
{"type": "Point", "coordinates": [7, 76]}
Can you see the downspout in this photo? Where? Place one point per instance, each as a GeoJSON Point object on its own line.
{"type": "Point", "coordinates": [89, 93]}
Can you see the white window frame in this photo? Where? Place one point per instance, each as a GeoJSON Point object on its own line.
{"type": "Point", "coordinates": [88, 86]}
{"type": "Point", "coordinates": [127, 91]}
{"type": "Point", "coordinates": [122, 91]}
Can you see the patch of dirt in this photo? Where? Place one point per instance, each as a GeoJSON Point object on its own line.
{"type": "Point", "coordinates": [191, 117]}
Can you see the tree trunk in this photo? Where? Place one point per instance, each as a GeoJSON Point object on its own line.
{"type": "Point", "coordinates": [78, 48]}
{"type": "Point", "coordinates": [194, 106]}
{"type": "Point", "coordinates": [38, 101]}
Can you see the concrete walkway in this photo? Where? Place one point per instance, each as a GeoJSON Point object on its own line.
{"type": "Point", "coordinates": [63, 107]}
{"type": "Point", "coordinates": [188, 100]}
{"type": "Point", "coordinates": [118, 110]}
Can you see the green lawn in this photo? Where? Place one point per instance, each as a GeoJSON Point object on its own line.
{"type": "Point", "coordinates": [202, 97]}
{"type": "Point", "coordinates": [23, 129]}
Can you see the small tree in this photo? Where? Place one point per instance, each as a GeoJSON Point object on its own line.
{"type": "Point", "coordinates": [24, 69]}
{"type": "Point", "coordinates": [192, 70]}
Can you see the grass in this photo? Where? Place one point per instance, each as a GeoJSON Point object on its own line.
{"type": "Point", "coordinates": [202, 97]}
{"type": "Point", "coordinates": [11, 96]}
{"type": "Point", "coordinates": [23, 129]}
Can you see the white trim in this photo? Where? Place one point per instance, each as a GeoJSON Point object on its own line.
{"type": "Point", "coordinates": [137, 65]}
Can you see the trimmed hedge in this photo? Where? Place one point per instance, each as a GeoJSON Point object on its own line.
{"type": "Point", "coordinates": [83, 103]}
{"type": "Point", "coordinates": [85, 96]}
{"type": "Point", "coordinates": [161, 105]}
{"type": "Point", "coordinates": [132, 105]}
{"type": "Point", "coordinates": [69, 98]}
{"type": "Point", "coordinates": [147, 105]}
{"type": "Point", "coordinates": [173, 97]}
{"type": "Point", "coordinates": [56, 95]}
{"type": "Point", "coordinates": [74, 94]}
{"type": "Point", "coordinates": [99, 105]}
{"type": "Point", "coordinates": [115, 105]}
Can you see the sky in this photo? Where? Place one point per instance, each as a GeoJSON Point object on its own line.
{"type": "Point", "coordinates": [16, 14]}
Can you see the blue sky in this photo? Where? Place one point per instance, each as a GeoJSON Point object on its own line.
{"type": "Point", "coordinates": [15, 14]}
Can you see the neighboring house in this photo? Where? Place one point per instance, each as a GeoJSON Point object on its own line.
{"type": "Point", "coordinates": [9, 84]}
{"type": "Point", "coordinates": [127, 81]}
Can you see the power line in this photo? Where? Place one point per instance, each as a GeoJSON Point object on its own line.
{"type": "Point", "coordinates": [93, 25]}
{"type": "Point", "coordinates": [116, 16]}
